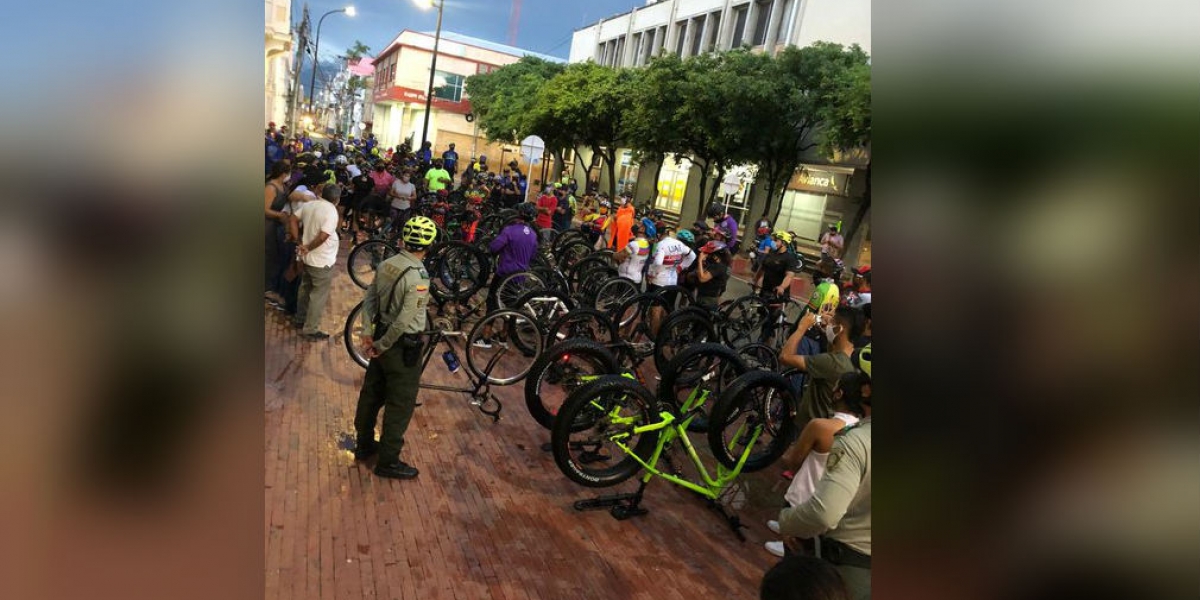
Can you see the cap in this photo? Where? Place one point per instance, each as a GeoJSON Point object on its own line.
{"type": "Point", "coordinates": [863, 270]}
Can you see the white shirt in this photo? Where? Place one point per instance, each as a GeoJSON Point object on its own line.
{"type": "Point", "coordinates": [353, 170]}
{"type": "Point", "coordinates": [639, 253]}
{"type": "Point", "coordinates": [316, 216]}
{"type": "Point", "coordinates": [404, 190]}
{"type": "Point", "coordinates": [806, 478]}
{"type": "Point", "coordinates": [670, 257]}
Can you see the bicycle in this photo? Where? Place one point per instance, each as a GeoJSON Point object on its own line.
{"type": "Point", "coordinates": [619, 411]}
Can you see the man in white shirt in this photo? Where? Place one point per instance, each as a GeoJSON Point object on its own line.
{"type": "Point", "coordinates": [632, 258]}
{"type": "Point", "coordinates": [318, 250]}
{"type": "Point", "coordinates": [670, 257]}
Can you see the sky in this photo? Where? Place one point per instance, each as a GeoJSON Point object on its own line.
{"type": "Point", "coordinates": [544, 26]}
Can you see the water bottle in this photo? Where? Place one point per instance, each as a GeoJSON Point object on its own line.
{"type": "Point", "coordinates": [451, 361]}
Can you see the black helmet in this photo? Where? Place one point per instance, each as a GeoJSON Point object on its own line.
{"type": "Point", "coordinates": [527, 212]}
{"type": "Point", "coordinates": [715, 211]}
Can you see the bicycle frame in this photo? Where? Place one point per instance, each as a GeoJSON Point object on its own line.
{"type": "Point", "coordinates": [480, 390]}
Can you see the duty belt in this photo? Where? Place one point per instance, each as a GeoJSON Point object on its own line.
{"type": "Point", "coordinates": [840, 554]}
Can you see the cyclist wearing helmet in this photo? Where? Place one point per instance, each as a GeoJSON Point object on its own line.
{"type": "Point", "coordinates": [840, 327]}
{"type": "Point", "coordinates": [778, 268]}
{"type": "Point", "coordinates": [712, 274]}
{"type": "Point", "coordinates": [725, 224]}
{"type": "Point", "coordinates": [394, 311]}
{"type": "Point", "coordinates": [633, 257]}
{"type": "Point", "coordinates": [860, 287]}
{"type": "Point", "coordinates": [515, 247]}
{"type": "Point", "coordinates": [686, 236]}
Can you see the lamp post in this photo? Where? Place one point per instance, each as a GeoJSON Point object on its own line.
{"type": "Point", "coordinates": [312, 83]}
{"type": "Point", "coordinates": [437, 37]}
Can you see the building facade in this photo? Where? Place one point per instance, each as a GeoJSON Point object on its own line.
{"type": "Point", "coordinates": [401, 80]}
{"type": "Point", "coordinates": [278, 66]}
{"type": "Point", "coordinates": [821, 193]}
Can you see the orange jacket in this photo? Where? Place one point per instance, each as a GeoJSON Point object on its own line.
{"type": "Point", "coordinates": [622, 227]}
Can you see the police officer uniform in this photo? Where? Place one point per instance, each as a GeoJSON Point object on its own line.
{"type": "Point", "coordinates": [839, 511]}
{"type": "Point", "coordinates": [395, 311]}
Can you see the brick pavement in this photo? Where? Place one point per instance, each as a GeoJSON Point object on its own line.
{"type": "Point", "coordinates": [490, 516]}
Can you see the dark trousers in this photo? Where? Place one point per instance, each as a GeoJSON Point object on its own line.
{"type": "Point", "coordinates": [276, 261]}
{"type": "Point", "coordinates": [391, 386]}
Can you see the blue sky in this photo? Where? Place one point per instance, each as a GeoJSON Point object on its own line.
{"type": "Point", "coordinates": [545, 25]}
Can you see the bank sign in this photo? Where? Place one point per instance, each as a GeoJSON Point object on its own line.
{"type": "Point", "coordinates": [818, 180]}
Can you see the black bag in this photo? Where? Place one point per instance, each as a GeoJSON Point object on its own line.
{"type": "Point", "coordinates": [411, 347]}
{"type": "Point", "coordinates": [378, 327]}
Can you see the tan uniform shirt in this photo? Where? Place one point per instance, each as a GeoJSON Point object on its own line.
{"type": "Point", "coordinates": [840, 507]}
{"type": "Point", "coordinates": [406, 312]}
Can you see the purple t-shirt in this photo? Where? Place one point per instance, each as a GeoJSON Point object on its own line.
{"type": "Point", "coordinates": [516, 246]}
{"type": "Point", "coordinates": [730, 226]}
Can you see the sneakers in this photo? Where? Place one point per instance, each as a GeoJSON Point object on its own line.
{"type": "Point", "coordinates": [775, 548]}
{"type": "Point", "coordinates": [484, 343]}
{"type": "Point", "coordinates": [399, 470]}
{"type": "Point", "coordinates": [773, 526]}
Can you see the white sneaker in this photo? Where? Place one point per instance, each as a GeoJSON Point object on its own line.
{"type": "Point", "coordinates": [775, 548]}
{"type": "Point", "coordinates": [484, 343]}
{"type": "Point", "coordinates": [773, 526]}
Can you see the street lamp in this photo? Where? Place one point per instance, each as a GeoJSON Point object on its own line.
{"type": "Point", "coordinates": [437, 37]}
{"type": "Point", "coordinates": [312, 83]}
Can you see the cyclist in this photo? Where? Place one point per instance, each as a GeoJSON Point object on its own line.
{"type": "Point", "coordinates": [437, 178]}
{"type": "Point", "coordinates": [622, 224]}
{"type": "Point", "coordinates": [394, 311]}
{"type": "Point", "coordinates": [515, 246]}
{"type": "Point", "coordinates": [671, 256]}
{"type": "Point", "coordinates": [634, 256]}
{"type": "Point", "coordinates": [712, 274]}
{"type": "Point", "coordinates": [777, 268]}
{"type": "Point", "coordinates": [402, 194]}
{"type": "Point", "coordinates": [724, 224]}
{"type": "Point", "coordinates": [823, 370]}
{"type": "Point", "coordinates": [859, 288]}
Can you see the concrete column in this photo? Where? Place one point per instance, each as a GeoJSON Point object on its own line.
{"type": "Point", "coordinates": [773, 25]}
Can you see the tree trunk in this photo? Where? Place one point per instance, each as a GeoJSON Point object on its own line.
{"type": "Point", "coordinates": [662, 162]}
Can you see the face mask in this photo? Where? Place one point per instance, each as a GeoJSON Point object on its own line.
{"type": "Point", "coordinates": [830, 334]}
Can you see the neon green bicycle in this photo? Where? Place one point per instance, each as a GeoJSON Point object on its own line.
{"type": "Point", "coordinates": [612, 428]}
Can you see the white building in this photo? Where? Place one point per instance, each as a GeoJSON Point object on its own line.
{"type": "Point", "coordinates": [690, 27]}
{"type": "Point", "coordinates": [820, 193]}
{"type": "Point", "coordinates": [278, 65]}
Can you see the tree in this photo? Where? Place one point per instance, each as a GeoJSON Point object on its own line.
{"type": "Point", "coordinates": [502, 101]}
{"type": "Point", "coordinates": [651, 127]}
{"type": "Point", "coordinates": [588, 103]}
{"type": "Point", "coordinates": [358, 50]}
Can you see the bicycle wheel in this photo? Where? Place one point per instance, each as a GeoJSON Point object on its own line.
{"type": "Point", "coordinates": [615, 292]}
{"type": "Point", "coordinates": [634, 322]}
{"type": "Point", "coordinates": [582, 323]}
{"type": "Point", "coordinates": [757, 406]}
{"type": "Point", "coordinates": [571, 253]}
{"type": "Point", "coordinates": [700, 374]}
{"type": "Point", "coordinates": [489, 355]}
{"type": "Point", "coordinates": [513, 286]}
{"type": "Point", "coordinates": [759, 357]}
{"type": "Point", "coordinates": [457, 270]}
{"type": "Point", "coordinates": [590, 287]}
{"type": "Point", "coordinates": [352, 334]}
{"type": "Point", "coordinates": [365, 258]}
{"type": "Point", "coordinates": [565, 239]}
{"type": "Point", "coordinates": [675, 296]}
{"type": "Point", "coordinates": [581, 272]}
{"type": "Point", "coordinates": [743, 320]}
{"type": "Point", "coordinates": [593, 436]}
{"type": "Point", "coordinates": [680, 330]}
{"type": "Point", "coordinates": [561, 370]}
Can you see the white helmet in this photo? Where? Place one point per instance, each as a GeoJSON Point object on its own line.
{"type": "Point", "coordinates": [317, 153]}
{"type": "Point", "coordinates": [341, 159]}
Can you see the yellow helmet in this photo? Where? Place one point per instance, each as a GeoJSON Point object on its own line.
{"type": "Point", "coordinates": [419, 231]}
{"type": "Point", "coordinates": [824, 298]}
{"type": "Point", "coordinates": [783, 236]}
{"type": "Point", "coordinates": [864, 360]}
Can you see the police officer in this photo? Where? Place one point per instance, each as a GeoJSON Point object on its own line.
{"type": "Point", "coordinates": [394, 311]}
{"type": "Point", "coordinates": [839, 511]}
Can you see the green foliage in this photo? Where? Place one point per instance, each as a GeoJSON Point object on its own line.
{"type": "Point", "coordinates": [358, 50]}
{"type": "Point", "coordinates": [503, 100]}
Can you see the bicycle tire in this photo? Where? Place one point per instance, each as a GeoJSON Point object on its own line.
{"type": "Point", "coordinates": [571, 253]}
{"type": "Point", "coordinates": [544, 317]}
{"type": "Point", "coordinates": [364, 259]}
{"type": "Point", "coordinates": [583, 323]}
{"type": "Point", "coordinates": [543, 373]}
{"type": "Point", "coordinates": [590, 287]}
{"type": "Point", "coordinates": [741, 398]}
{"type": "Point", "coordinates": [457, 270]}
{"type": "Point", "coordinates": [615, 292]}
{"type": "Point", "coordinates": [518, 324]}
{"type": "Point", "coordinates": [633, 325]}
{"type": "Point", "coordinates": [682, 329]}
{"type": "Point", "coordinates": [594, 404]}
{"type": "Point", "coordinates": [759, 357]}
{"type": "Point", "coordinates": [515, 285]}
{"type": "Point", "coordinates": [352, 333]}
{"type": "Point", "coordinates": [744, 319]}
{"type": "Point", "coordinates": [682, 374]}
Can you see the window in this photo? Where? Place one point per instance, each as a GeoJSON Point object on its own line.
{"type": "Point", "coordinates": [788, 21]}
{"type": "Point", "coordinates": [697, 35]}
{"type": "Point", "coordinates": [627, 173]}
{"type": "Point", "coordinates": [482, 68]}
{"type": "Point", "coordinates": [680, 34]}
{"type": "Point", "coordinates": [449, 86]}
{"type": "Point", "coordinates": [762, 14]}
{"type": "Point", "coordinates": [739, 25]}
{"type": "Point", "coordinates": [714, 32]}
{"type": "Point", "coordinates": [637, 48]}
{"type": "Point", "coordinates": [600, 53]}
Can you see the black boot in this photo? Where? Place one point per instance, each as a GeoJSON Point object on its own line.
{"type": "Point", "coordinates": [365, 449]}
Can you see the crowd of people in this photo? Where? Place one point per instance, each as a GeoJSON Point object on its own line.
{"type": "Point", "coordinates": [314, 193]}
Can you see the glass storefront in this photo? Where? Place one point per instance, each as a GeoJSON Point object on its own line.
{"type": "Point", "coordinates": [672, 184]}
{"type": "Point", "coordinates": [802, 214]}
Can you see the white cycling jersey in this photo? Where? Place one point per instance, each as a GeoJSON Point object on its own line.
{"type": "Point", "coordinates": [670, 257]}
